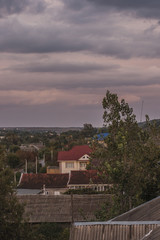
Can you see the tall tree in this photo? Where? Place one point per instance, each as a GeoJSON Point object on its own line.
{"type": "Point", "coordinates": [130, 161]}
{"type": "Point", "coordinates": [12, 224]}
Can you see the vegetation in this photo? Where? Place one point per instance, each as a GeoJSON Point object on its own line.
{"type": "Point", "coordinates": [83, 191]}
{"type": "Point", "coordinates": [131, 159]}
{"type": "Point", "coordinates": [21, 144]}
{"type": "Point", "coordinates": [51, 231]}
{"type": "Point", "coordinates": [12, 224]}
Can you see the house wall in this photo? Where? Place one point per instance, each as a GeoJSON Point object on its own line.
{"type": "Point", "coordinates": [77, 166]}
{"type": "Point", "coordinates": [65, 169]}
{"type": "Point", "coordinates": [96, 187]}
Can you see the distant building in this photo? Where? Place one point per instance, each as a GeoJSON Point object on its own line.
{"type": "Point", "coordinates": [42, 183]}
{"type": "Point", "coordinates": [75, 159]}
{"type": "Point", "coordinates": [55, 184]}
{"type": "Point", "coordinates": [101, 136]}
{"type": "Point", "coordinates": [87, 179]}
{"type": "Point", "coordinates": [32, 147]}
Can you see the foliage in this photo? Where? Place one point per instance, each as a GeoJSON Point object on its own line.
{"type": "Point", "coordinates": [88, 130]}
{"type": "Point", "coordinates": [51, 231]}
{"type": "Point", "coordinates": [82, 191]}
{"type": "Point", "coordinates": [11, 212]}
{"type": "Point", "coordinates": [131, 158]}
{"type": "Point", "coordinates": [43, 170]}
{"type": "Point", "coordinates": [13, 160]}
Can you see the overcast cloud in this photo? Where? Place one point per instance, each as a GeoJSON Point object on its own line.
{"type": "Point", "coordinates": [58, 58]}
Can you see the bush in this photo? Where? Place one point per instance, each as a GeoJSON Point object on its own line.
{"type": "Point", "coordinates": [82, 191]}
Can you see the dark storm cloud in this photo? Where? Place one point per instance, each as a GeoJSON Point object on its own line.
{"type": "Point", "coordinates": [128, 4]}
{"type": "Point", "coordinates": [143, 8]}
{"type": "Point", "coordinates": [74, 81]}
{"type": "Point", "coordinates": [61, 67]}
{"type": "Point", "coordinates": [19, 38]}
{"type": "Point", "coordinates": [111, 40]}
{"type": "Point", "coordinates": [8, 7]}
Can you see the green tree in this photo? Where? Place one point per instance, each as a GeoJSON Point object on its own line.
{"type": "Point", "coordinates": [13, 160]}
{"type": "Point", "coordinates": [88, 130]}
{"type": "Point", "coordinates": [130, 161]}
{"type": "Point", "coordinates": [12, 224]}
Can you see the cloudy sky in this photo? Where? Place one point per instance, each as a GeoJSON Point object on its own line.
{"type": "Point", "coordinates": [58, 58]}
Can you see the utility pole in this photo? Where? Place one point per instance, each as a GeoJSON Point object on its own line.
{"type": "Point", "coordinates": [44, 158]}
{"type": "Point", "coordinates": [36, 163]}
{"type": "Point", "coordinates": [26, 166]}
{"type": "Point", "coordinates": [141, 111]}
{"type": "Point", "coordinates": [52, 155]}
{"type": "Point", "coordinates": [15, 181]}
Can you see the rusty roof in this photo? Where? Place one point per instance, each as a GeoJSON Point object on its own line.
{"type": "Point", "coordinates": [85, 177]}
{"type": "Point", "coordinates": [36, 181]}
{"type": "Point", "coordinates": [75, 153]}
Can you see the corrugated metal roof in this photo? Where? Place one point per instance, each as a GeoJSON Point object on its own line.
{"type": "Point", "coordinates": [115, 223]}
{"type": "Point", "coordinates": [36, 181]}
{"type": "Point", "coordinates": [154, 235]}
{"type": "Point", "coordinates": [102, 136]}
{"type": "Point", "coordinates": [85, 177]}
{"type": "Point", "coordinates": [149, 211]}
{"type": "Point", "coordinates": [111, 231]}
{"type": "Point", "coordinates": [27, 191]}
{"type": "Point", "coordinates": [62, 208]}
{"type": "Point", "coordinates": [140, 223]}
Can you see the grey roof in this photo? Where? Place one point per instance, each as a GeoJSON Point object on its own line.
{"type": "Point", "coordinates": [112, 231]}
{"type": "Point", "coordinates": [149, 211]}
{"type": "Point", "coordinates": [62, 208]}
{"type": "Point", "coordinates": [140, 223]}
{"type": "Point", "coordinates": [27, 191]}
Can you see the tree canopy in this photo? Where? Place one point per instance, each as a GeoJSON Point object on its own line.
{"type": "Point", "coordinates": [12, 223]}
{"type": "Point", "coordinates": [130, 160]}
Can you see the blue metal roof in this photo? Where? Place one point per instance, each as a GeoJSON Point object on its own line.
{"type": "Point", "coordinates": [101, 136]}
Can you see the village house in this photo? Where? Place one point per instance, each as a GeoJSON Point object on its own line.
{"type": "Point", "coordinates": [56, 184]}
{"type": "Point", "coordinates": [75, 159]}
{"type": "Point", "coordinates": [42, 183]}
{"type": "Point", "coordinates": [87, 179]}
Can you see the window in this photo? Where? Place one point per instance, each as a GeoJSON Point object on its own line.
{"type": "Point", "coordinates": [69, 165]}
{"type": "Point", "coordinates": [82, 164]}
{"type": "Point", "coordinates": [85, 157]}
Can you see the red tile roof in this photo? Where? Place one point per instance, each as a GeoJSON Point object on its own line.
{"type": "Point", "coordinates": [85, 177]}
{"type": "Point", "coordinates": [75, 153]}
{"type": "Point", "coordinates": [36, 181]}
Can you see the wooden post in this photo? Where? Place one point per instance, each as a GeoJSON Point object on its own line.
{"type": "Point", "coordinates": [72, 207]}
{"type": "Point", "coordinates": [36, 164]}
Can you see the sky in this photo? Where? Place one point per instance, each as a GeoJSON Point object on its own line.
{"type": "Point", "coordinates": [59, 57]}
